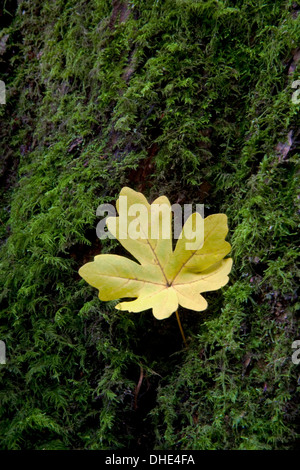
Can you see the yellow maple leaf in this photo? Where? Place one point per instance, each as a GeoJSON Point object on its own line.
{"type": "Point", "coordinates": [164, 278]}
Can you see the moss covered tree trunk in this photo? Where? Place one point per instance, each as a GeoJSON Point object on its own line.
{"type": "Point", "coordinates": [187, 98]}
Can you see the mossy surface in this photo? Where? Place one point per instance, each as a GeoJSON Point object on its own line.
{"type": "Point", "coordinates": [187, 98]}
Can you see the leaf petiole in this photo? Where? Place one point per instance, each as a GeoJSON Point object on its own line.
{"type": "Point", "coordinates": [180, 327]}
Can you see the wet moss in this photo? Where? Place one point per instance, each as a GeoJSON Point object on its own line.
{"type": "Point", "coordinates": [191, 99]}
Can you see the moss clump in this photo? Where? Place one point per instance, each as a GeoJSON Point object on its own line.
{"type": "Point", "coordinates": [191, 99]}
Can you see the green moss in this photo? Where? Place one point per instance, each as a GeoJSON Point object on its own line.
{"type": "Point", "coordinates": [190, 99]}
